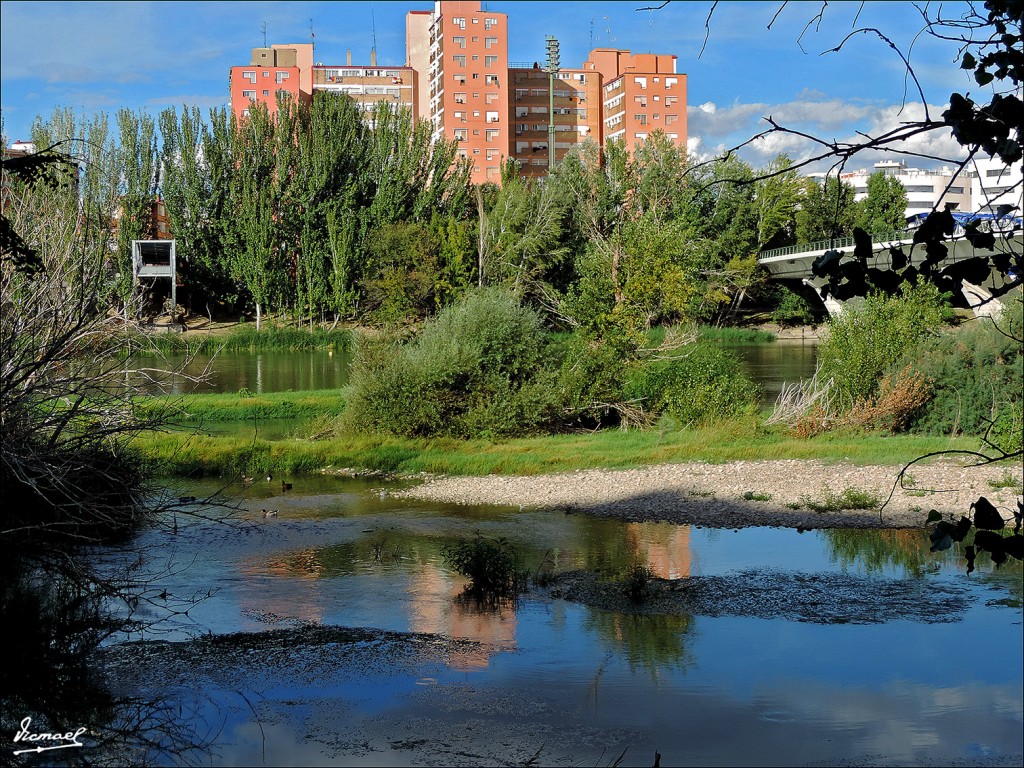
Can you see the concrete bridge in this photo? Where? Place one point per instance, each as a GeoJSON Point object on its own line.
{"type": "Point", "coordinates": [794, 262]}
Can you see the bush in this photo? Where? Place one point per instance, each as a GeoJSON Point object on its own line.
{"type": "Point", "coordinates": [489, 564]}
{"type": "Point", "coordinates": [977, 373]}
{"type": "Point", "coordinates": [702, 385]}
{"type": "Point", "coordinates": [791, 308]}
{"type": "Point", "coordinates": [477, 370]}
{"type": "Point", "coordinates": [865, 341]}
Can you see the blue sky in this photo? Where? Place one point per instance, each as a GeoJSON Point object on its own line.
{"type": "Point", "coordinates": [150, 55]}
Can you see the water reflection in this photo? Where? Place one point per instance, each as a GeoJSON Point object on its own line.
{"type": "Point", "coordinates": [563, 677]}
{"type": "Point", "coordinates": [770, 364]}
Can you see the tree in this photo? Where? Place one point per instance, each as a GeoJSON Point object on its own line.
{"type": "Point", "coordinates": [138, 179]}
{"type": "Point", "coordinates": [826, 211]}
{"type": "Point", "coordinates": [776, 202]}
{"type": "Point", "coordinates": [883, 211]}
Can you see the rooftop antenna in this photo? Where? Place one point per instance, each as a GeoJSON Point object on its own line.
{"type": "Point", "coordinates": [373, 31]}
{"type": "Point", "coordinates": [312, 37]}
{"type": "Point", "coordinates": [264, 25]}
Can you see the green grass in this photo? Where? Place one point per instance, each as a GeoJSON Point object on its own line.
{"type": "Point", "coordinates": [245, 338]}
{"type": "Point", "coordinates": [184, 454]}
{"type": "Point", "coordinates": [245, 406]}
{"type": "Point", "coordinates": [734, 335]}
{"type": "Point", "coordinates": [850, 498]}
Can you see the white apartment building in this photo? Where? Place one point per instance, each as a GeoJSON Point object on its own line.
{"type": "Point", "coordinates": [926, 189]}
{"type": "Point", "coordinates": [994, 183]}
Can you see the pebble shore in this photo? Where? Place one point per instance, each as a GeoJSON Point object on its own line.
{"type": "Point", "coordinates": [743, 493]}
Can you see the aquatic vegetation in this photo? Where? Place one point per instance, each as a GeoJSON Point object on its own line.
{"type": "Point", "coordinates": [491, 565]}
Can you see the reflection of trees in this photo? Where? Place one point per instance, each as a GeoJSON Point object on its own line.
{"type": "Point", "coordinates": [910, 549]}
{"type": "Point", "coordinates": [51, 675]}
{"type": "Point", "coordinates": [880, 549]}
{"type": "Point", "coordinates": [650, 641]}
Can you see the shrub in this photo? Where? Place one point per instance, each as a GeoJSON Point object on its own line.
{"type": "Point", "coordinates": [637, 584]}
{"type": "Point", "coordinates": [478, 369]}
{"type": "Point", "coordinates": [791, 308]}
{"type": "Point", "coordinates": [591, 382]}
{"type": "Point", "coordinates": [899, 398]}
{"type": "Point", "coordinates": [865, 341]}
{"type": "Point", "coordinates": [701, 385]}
{"type": "Point", "coordinates": [978, 377]}
{"type": "Point", "coordinates": [489, 564]}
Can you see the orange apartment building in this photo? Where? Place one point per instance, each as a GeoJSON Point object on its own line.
{"type": "Point", "coordinates": [458, 77]}
{"type": "Point", "coordinates": [368, 85]}
{"type": "Point", "coordinates": [463, 52]}
{"type": "Point", "coordinates": [641, 93]}
{"type": "Point", "coordinates": [577, 114]}
{"type": "Point", "coordinates": [279, 69]}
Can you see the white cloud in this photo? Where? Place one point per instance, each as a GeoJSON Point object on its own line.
{"type": "Point", "coordinates": [811, 115]}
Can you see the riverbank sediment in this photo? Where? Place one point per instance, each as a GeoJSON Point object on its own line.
{"type": "Point", "coordinates": [790, 493]}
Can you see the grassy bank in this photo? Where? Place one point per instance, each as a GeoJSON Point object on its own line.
{"type": "Point", "coordinates": [197, 455]}
{"type": "Point", "coordinates": [234, 406]}
{"type": "Point", "coordinates": [246, 338]}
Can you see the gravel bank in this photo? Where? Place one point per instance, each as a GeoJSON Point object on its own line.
{"type": "Point", "coordinates": [740, 493]}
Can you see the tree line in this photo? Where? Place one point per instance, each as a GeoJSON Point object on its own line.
{"type": "Point", "coordinates": [325, 216]}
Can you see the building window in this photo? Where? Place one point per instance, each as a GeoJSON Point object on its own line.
{"type": "Point", "coordinates": [245, 113]}
{"type": "Point", "coordinates": [459, 41]}
{"type": "Point", "coordinates": [491, 154]}
{"type": "Point", "coordinates": [248, 94]}
{"type": "Point", "coordinates": [476, 150]}
{"type": "Point", "coordinates": [670, 100]}
{"type": "Point", "coordinates": [460, 61]}
{"type": "Point", "coordinates": [491, 97]}
{"type": "Point", "coordinates": [670, 81]}
{"type": "Point", "coordinates": [641, 100]}
{"type": "Point", "coordinates": [490, 42]}
{"type": "Point", "coordinates": [641, 81]}
{"type": "Point", "coordinates": [670, 119]}
{"type": "Point", "coordinates": [489, 61]}
{"type": "Point", "coordinates": [490, 23]}
{"type": "Point", "coordinates": [476, 57]}
{"type": "Point", "coordinates": [266, 92]}
{"type": "Point", "coordinates": [460, 98]}
{"type": "Point", "coordinates": [490, 79]}
{"type": "Point", "coordinates": [459, 22]}
{"type": "Point", "coordinates": [492, 134]}
{"type": "Point", "coordinates": [250, 76]}
{"type": "Point", "coordinates": [492, 117]}
{"type": "Point", "coordinates": [266, 73]}
{"type": "Point", "coordinates": [640, 119]}
{"type": "Point", "coordinates": [461, 134]}
{"type": "Point", "coordinates": [460, 79]}
{"type": "Point", "coordinates": [282, 76]}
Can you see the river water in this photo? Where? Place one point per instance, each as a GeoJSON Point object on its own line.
{"type": "Point", "coordinates": [334, 633]}
{"type": "Point", "coordinates": [823, 648]}
{"type": "Point", "coordinates": [768, 364]}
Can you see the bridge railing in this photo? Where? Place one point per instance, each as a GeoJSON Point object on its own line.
{"type": "Point", "coordinates": [835, 242]}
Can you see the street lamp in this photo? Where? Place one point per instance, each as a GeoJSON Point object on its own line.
{"type": "Point", "coordinates": [553, 63]}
